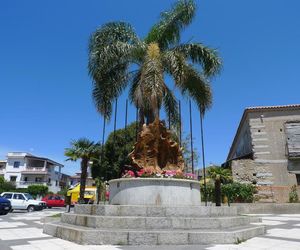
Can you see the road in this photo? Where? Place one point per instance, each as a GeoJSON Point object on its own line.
{"type": "Point", "coordinates": [23, 231]}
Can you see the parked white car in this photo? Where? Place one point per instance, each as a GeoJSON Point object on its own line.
{"type": "Point", "coordinates": [23, 201]}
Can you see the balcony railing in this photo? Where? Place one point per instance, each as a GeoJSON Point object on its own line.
{"type": "Point", "coordinates": [29, 168]}
{"type": "Point", "coordinates": [27, 183]}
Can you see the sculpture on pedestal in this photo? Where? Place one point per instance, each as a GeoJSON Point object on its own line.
{"type": "Point", "coordinates": [156, 151]}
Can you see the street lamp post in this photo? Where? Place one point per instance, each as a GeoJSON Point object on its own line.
{"type": "Point", "coordinates": [203, 155]}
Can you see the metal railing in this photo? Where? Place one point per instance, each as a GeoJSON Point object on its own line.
{"type": "Point", "coordinates": [42, 169]}
{"type": "Point", "coordinates": [26, 183]}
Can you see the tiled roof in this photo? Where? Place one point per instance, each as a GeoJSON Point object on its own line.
{"type": "Point", "coordinates": [291, 106]}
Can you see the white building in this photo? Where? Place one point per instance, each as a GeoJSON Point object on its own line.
{"type": "Point", "coordinates": [2, 167]}
{"type": "Point", "coordinates": [89, 180]}
{"type": "Point", "coordinates": [26, 169]}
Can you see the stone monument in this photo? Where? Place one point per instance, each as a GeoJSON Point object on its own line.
{"type": "Point", "coordinates": [154, 208]}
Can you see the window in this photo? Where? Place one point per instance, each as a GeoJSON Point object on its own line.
{"type": "Point", "coordinates": [16, 164]}
{"type": "Point", "coordinates": [292, 130]}
{"type": "Point", "coordinates": [298, 179]}
{"type": "Point", "coordinates": [49, 180]}
{"type": "Point", "coordinates": [25, 178]}
{"type": "Point", "coordinates": [7, 196]}
{"type": "Point", "coordinates": [19, 197]}
{"type": "Point", "coordinates": [28, 196]}
{"type": "Point", "coordinates": [56, 183]}
{"type": "Point", "coordinates": [13, 178]}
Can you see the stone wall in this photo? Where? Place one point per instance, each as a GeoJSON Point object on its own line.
{"type": "Point", "coordinates": [270, 167]}
{"type": "Point", "coordinates": [264, 176]}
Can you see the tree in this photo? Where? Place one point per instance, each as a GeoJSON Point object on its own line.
{"type": "Point", "coordinates": [115, 49]}
{"type": "Point", "coordinates": [219, 175]}
{"type": "Point", "coordinates": [85, 150]}
{"type": "Point", "coordinates": [115, 153]}
{"type": "Point", "coordinates": [6, 185]}
{"type": "Point", "coordinates": [187, 152]}
{"type": "Point", "coordinates": [37, 190]}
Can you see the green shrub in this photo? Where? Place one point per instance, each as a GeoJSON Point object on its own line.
{"type": "Point", "coordinates": [210, 192]}
{"type": "Point", "coordinates": [239, 192]}
{"type": "Point", "coordinates": [22, 190]}
{"type": "Point", "coordinates": [6, 186]}
{"type": "Point", "coordinates": [235, 192]}
{"type": "Point", "coordinates": [63, 191]}
{"type": "Point", "coordinates": [37, 190]}
{"type": "Point", "coordinates": [293, 195]}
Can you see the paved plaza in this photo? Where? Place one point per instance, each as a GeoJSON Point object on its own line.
{"type": "Point", "coordinates": [23, 231]}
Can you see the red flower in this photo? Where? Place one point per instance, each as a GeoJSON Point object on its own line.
{"type": "Point", "coordinates": [139, 173]}
{"type": "Point", "coordinates": [131, 173]}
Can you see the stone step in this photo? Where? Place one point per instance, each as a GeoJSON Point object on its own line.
{"type": "Point", "coordinates": [91, 236]}
{"type": "Point", "coordinates": [155, 211]}
{"type": "Point", "coordinates": [140, 222]}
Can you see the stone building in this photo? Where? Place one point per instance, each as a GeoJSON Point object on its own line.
{"type": "Point", "coordinates": [266, 151]}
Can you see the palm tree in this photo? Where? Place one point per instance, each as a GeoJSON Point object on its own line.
{"type": "Point", "coordinates": [118, 58]}
{"type": "Point", "coordinates": [85, 150]}
{"type": "Point", "coordinates": [219, 175]}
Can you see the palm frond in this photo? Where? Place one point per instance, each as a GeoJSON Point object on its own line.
{"type": "Point", "coordinates": [111, 50]}
{"type": "Point", "coordinates": [191, 82]}
{"type": "Point", "coordinates": [111, 85]}
{"type": "Point", "coordinates": [112, 32]}
{"type": "Point", "coordinates": [171, 106]}
{"type": "Point", "coordinates": [196, 52]}
{"type": "Point", "coordinates": [198, 88]}
{"type": "Point", "coordinates": [82, 148]}
{"type": "Point", "coordinates": [167, 31]}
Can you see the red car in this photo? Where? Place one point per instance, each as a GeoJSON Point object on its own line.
{"type": "Point", "coordinates": [54, 200]}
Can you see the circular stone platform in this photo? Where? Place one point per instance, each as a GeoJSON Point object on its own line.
{"type": "Point", "coordinates": [154, 191]}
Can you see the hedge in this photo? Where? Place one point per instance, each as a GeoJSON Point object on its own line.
{"type": "Point", "coordinates": [234, 192]}
{"type": "Point", "coordinates": [37, 190]}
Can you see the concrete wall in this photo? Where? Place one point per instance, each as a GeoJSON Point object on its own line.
{"type": "Point", "coordinates": [11, 171]}
{"type": "Point", "coordinates": [269, 145]}
{"type": "Point", "coordinates": [267, 208]}
{"type": "Point", "coordinates": [243, 142]}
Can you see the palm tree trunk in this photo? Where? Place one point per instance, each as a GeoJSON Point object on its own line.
{"type": "Point", "coordinates": [84, 165]}
{"type": "Point", "coordinates": [152, 115]}
{"type": "Point", "coordinates": [218, 192]}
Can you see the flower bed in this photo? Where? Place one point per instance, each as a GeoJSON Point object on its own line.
{"type": "Point", "coordinates": [178, 174]}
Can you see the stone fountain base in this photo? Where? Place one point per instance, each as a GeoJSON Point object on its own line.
{"type": "Point", "coordinates": [153, 225]}
{"type": "Point", "coordinates": [154, 212]}
{"type": "Point", "coordinates": [154, 191]}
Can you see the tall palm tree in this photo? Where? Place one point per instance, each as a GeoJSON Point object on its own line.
{"type": "Point", "coordinates": [85, 150]}
{"type": "Point", "coordinates": [118, 58]}
{"type": "Point", "coordinates": [219, 175]}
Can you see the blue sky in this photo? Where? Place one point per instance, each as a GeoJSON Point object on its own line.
{"type": "Point", "coordinates": [46, 91]}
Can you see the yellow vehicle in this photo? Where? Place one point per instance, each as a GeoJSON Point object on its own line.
{"type": "Point", "coordinates": [89, 194]}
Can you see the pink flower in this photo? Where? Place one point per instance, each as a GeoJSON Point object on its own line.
{"type": "Point", "coordinates": [170, 172]}
{"type": "Point", "coordinates": [190, 176]}
{"type": "Point", "coordinates": [131, 173]}
{"type": "Point", "coordinates": [139, 173]}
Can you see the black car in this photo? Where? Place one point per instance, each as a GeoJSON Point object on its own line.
{"type": "Point", "coordinates": [5, 206]}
